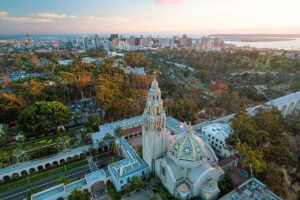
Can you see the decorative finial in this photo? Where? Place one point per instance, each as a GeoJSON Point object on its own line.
{"type": "Point", "coordinates": [190, 128]}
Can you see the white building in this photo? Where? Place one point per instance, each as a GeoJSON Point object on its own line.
{"type": "Point", "coordinates": [185, 164]}
{"type": "Point", "coordinates": [155, 134]}
{"type": "Point", "coordinates": [216, 134]}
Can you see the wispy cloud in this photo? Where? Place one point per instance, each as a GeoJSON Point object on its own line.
{"type": "Point", "coordinates": [51, 15]}
{"type": "Point", "coordinates": [165, 2]}
{"type": "Point", "coordinates": [4, 16]}
{"type": "Point", "coordinates": [44, 17]}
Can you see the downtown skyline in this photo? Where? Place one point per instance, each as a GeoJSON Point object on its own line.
{"type": "Point", "coordinates": [149, 16]}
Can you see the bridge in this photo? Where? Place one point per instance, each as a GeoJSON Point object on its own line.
{"type": "Point", "coordinates": [286, 105]}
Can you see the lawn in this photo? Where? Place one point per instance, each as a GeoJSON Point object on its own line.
{"type": "Point", "coordinates": [40, 176]}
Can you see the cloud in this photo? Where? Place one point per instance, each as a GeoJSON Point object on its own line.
{"type": "Point", "coordinates": [166, 2]}
{"type": "Point", "coordinates": [51, 15]}
{"type": "Point", "coordinates": [45, 17]}
{"type": "Point", "coordinates": [4, 16]}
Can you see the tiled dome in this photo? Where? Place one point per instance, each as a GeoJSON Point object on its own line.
{"type": "Point", "coordinates": [188, 147]}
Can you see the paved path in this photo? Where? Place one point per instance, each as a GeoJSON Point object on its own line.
{"type": "Point", "coordinates": [80, 172]}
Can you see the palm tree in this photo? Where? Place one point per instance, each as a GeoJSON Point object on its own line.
{"type": "Point", "coordinates": [118, 132]}
{"type": "Point", "coordinates": [114, 147]}
{"type": "Point", "coordinates": [101, 145]}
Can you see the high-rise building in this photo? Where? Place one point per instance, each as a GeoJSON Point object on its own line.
{"type": "Point", "coordinates": [114, 36]}
{"type": "Point", "coordinates": [97, 41]}
{"type": "Point", "coordinates": [85, 43]}
{"type": "Point", "coordinates": [131, 40]}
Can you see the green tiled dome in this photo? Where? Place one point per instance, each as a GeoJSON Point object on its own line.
{"type": "Point", "coordinates": [188, 147]}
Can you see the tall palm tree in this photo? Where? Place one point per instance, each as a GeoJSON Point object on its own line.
{"type": "Point", "coordinates": [118, 132]}
{"type": "Point", "coordinates": [114, 147]}
{"type": "Point", "coordinates": [101, 144]}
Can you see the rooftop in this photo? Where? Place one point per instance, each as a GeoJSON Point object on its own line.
{"type": "Point", "coordinates": [109, 128]}
{"type": "Point", "coordinates": [131, 164]}
{"type": "Point", "coordinates": [218, 129]}
{"type": "Point", "coordinates": [252, 189]}
{"type": "Point", "coordinates": [48, 193]}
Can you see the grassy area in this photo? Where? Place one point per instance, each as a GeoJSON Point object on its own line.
{"type": "Point", "coordinates": [40, 176]}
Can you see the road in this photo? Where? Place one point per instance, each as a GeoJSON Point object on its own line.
{"type": "Point", "coordinates": [21, 192]}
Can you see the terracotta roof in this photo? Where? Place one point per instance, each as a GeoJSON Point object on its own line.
{"type": "Point", "coordinates": [224, 162]}
{"type": "Point", "coordinates": [133, 130]}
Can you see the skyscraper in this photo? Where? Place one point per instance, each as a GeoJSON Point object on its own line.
{"type": "Point", "coordinates": [97, 41]}
{"type": "Point", "coordinates": [85, 43]}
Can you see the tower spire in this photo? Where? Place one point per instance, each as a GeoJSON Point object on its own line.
{"type": "Point", "coordinates": [154, 114]}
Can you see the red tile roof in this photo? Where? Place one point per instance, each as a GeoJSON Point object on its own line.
{"type": "Point", "coordinates": [130, 131]}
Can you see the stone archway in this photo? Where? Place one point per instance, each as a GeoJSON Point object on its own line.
{"type": "Point", "coordinates": [290, 108]}
{"type": "Point", "coordinates": [40, 168]}
{"type": "Point", "coordinates": [15, 176]}
{"type": "Point", "coordinates": [48, 166]}
{"type": "Point", "coordinates": [6, 178]}
{"type": "Point", "coordinates": [75, 157]}
{"type": "Point", "coordinates": [31, 170]}
{"type": "Point", "coordinates": [62, 161]}
{"type": "Point", "coordinates": [24, 173]}
{"type": "Point", "coordinates": [69, 159]}
{"type": "Point", "coordinates": [55, 163]}
{"type": "Point", "coordinates": [283, 110]}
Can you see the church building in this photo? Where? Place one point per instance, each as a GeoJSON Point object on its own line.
{"type": "Point", "coordinates": [185, 164]}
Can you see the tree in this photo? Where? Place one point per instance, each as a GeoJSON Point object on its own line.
{"type": "Point", "coordinates": [42, 116]}
{"type": "Point", "coordinates": [79, 195]}
{"type": "Point", "coordinates": [35, 89]}
{"type": "Point", "coordinates": [185, 110]}
{"type": "Point", "coordinates": [136, 183]}
{"type": "Point", "coordinates": [244, 129]}
{"type": "Point", "coordinates": [10, 107]}
{"type": "Point", "coordinates": [120, 96]}
{"type": "Point", "coordinates": [134, 59]}
{"type": "Point", "coordinates": [4, 135]}
{"type": "Point", "coordinates": [64, 141]}
{"type": "Point", "coordinates": [253, 158]}
{"type": "Point", "coordinates": [83, 79]}
{"type": "Point", "coordinates": [140, 150]}
{"type": "Point", "coordinates": [66, 79]}
{"type": "Point", "coordinates": [30, 192]}
{"type": "Point", "coordinates": [118, 132]}
{"type": "Point", "coordinates": [226, 185]}
{"type": "Point", "coordinates": [94, 121]}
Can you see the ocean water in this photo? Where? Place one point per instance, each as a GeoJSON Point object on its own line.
{"type": "Point", "coordinates": [287, 45]}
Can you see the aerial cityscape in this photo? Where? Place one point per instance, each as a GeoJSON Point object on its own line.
{"type": "Point", "coordinates": [149, 100]}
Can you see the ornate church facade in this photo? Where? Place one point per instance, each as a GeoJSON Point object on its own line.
{"type": "Point", "coordinates": [185, 164]}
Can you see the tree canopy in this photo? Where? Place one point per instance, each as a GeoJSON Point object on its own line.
{"type": "Point", "coordinates": [10, 107]}
{"type": "Point", "coordinates": [79, 195]}
{"type": "Point", "coordinates": [43, 116]}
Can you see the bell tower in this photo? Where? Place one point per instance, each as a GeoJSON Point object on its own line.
{"type": "Point", "coordinates": [154, 129]}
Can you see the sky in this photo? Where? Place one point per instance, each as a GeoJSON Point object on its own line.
{"type": "Point", "coordinates": [149, 16]}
